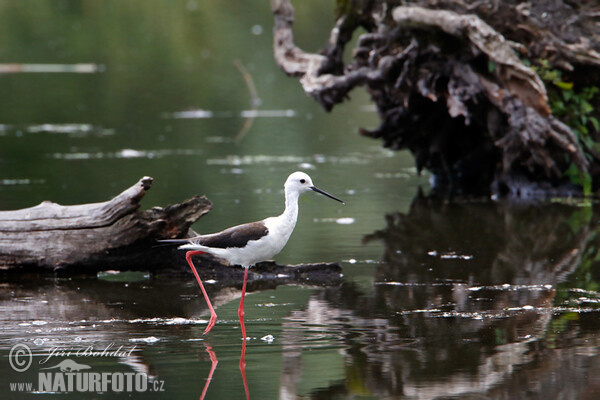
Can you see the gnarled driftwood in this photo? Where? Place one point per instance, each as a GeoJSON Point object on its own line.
{"type": "Point", "coordinates": [107, 235]}
{"type": "Point", "coordinates": [450, 84]}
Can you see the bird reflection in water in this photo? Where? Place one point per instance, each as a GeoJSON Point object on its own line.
{"type": "Point", "coordinates": [214, 361]}
{"type": "Point", "coordinates": [243, 368]}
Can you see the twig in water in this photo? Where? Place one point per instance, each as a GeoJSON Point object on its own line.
{"type": "Point", "coordinates": [254, 101]}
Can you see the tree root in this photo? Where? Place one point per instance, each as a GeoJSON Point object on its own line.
{"type": "Point", "coordinates": [450, 88]}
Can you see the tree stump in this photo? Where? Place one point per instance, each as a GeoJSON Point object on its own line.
{"type": "Point", "coordinates": [459, 84]}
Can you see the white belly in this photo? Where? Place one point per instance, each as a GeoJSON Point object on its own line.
{"type": "Point", "coordinates": [255, 250]}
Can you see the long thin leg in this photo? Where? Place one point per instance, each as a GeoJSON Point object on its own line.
{"type": "Point", "coordinates": [241, 309]}
{"type": "Point", "coordinates": [243, 369]}
{"type": "Point", "coordinates": [213, 314]}
{"type": "Point", "coordinates": [243, 326]}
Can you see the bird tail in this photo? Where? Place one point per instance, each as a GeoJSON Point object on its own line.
{"type": "Point", "coordinates": [173, 241]}
{"type": "Point", "coordinates": [170, 242]}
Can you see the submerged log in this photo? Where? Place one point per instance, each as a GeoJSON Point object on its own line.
{"type": "Point", "coordinates": [108, 235]}
{"type": "Point", "coordinates": [458, 83]}
{"type": "Point", "coordinates": [264, 275]}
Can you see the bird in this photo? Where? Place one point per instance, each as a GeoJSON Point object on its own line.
{"type": "Point", "coordinates": [250, 243]}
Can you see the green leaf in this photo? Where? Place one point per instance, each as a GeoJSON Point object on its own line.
{"type": "Point", "coordinates": [577, 177]}
{"type": "Point", "coordinates": [567, 95]}
{"type": "Point", "coordinates": [564, 85]}
{"type": "Point", "coordinates": [587, 185]}
{"type": "Point", "coordinates": [586, 107]}
{"type": "Point", "coordinates": [587, 139]}
{"type": "Point", "coordinates": [589, 92]}
{"type": "Point", "coordinates": [558, 106]}
{"type": "Point", "coordinates": [595, 123]}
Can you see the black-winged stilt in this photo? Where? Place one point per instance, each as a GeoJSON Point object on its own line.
{"type": "Point", "coordinates": [250, 243]}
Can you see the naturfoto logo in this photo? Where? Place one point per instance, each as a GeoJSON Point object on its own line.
{"type": "Point", "coordinates": [68, 375]}
{"type": "Point", "coordinates": [69, 366]}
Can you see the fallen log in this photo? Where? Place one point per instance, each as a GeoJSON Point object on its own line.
{"type": "Point", "coordinates": [91, 237]}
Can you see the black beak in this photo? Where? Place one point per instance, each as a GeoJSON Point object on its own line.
{"type": "Point", "coordinates": [324, 193]}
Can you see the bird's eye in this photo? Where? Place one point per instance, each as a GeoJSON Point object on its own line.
{"type": "Point", "coordinates": [302, 180]}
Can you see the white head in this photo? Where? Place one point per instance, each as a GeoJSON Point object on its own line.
{"type": "Point", "coordinates": [299, 182]}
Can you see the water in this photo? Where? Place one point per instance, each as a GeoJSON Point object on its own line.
{"type": "Point", "coordinates": [443, 299]}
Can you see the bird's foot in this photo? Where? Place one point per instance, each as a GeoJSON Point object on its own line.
{"type": "Point", "coordinates": [211, 323]}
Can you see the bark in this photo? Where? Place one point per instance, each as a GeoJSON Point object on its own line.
{"type": "Point", "coordinates": [108, 235]}
{"type": "Point", "coordinates": [450, 85]}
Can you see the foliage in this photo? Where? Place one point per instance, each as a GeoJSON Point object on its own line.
{"type": "Point", "coordinates": [575, 109]}
{"type": "Point", "coordinates": [578, 177]}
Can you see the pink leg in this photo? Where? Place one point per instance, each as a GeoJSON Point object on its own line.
{"type": "Point", "coordinates": [213, 314]}
{"type": "Point", "coordinates": [214, 362]}
{"type": "Point", "coordinates": [243, 368]}
{"type": "Point", "coordinates": [241, 309]}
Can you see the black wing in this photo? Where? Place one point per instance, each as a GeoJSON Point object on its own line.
{"type": "Point", "coordinates": [237, 236]}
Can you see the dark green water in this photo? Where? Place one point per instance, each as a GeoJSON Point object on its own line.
{"type": "Point", "coordinates": [469, 299]}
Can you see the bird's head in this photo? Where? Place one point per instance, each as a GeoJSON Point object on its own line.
{"type": "Point", "coordinates": [301, 182]}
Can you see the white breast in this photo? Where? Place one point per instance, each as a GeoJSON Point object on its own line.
{"type": "Point", "coordinates": [280, 230]}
